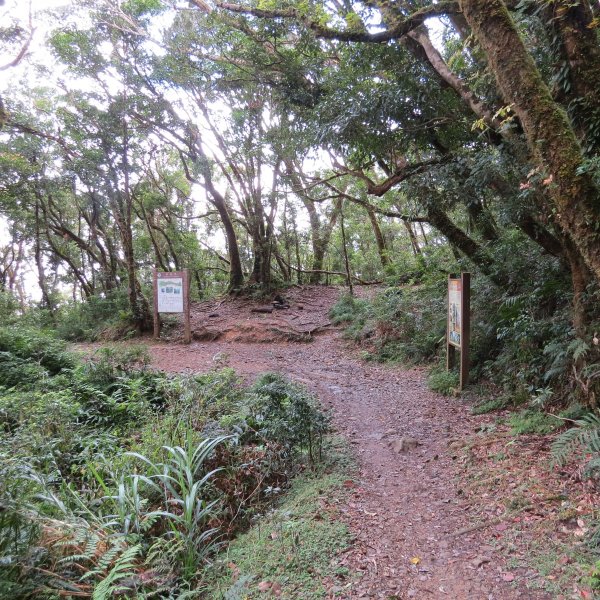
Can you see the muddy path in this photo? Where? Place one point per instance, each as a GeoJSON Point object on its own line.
{"type": "Point", "coordinates": [415, 533]}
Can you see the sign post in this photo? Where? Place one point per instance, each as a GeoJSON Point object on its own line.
{"type": "Point", "coordinates": [458, 335]}
{"type": "Point", "coordinates": [172, 295]}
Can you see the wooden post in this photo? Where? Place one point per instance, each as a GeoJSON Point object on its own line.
{"type": "Point", "coordinates": [465, 328]}
{"type": "Point", "coordinates": [156, 315]}
{"type": "Point", "coordinates": [187, 329]}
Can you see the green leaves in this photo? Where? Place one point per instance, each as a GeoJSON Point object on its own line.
{"type": "Point", "coordinates": [139, 8]}
{"type": "Point", "coordinates": [78, 49]}
{"type": "Point", "coordinates": [287, 414]}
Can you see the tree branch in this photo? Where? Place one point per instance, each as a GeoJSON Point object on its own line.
{"type": "Point", "coordinates": [396, 31]}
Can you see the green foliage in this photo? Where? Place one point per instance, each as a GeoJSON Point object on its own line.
{"type": "Point", "coordinates": [294, 545]}
{"type": "Point", "coordinates": [8, 308]}
{"type": "Point", "coordinates": [403, 323]}
{"type": "Point", "coordinates": [583, 437]}
{"type": "Point", "coordinates": [99, 317]}
{"type": "Point", "coordinates": [287, 414]}
{"type": "Point", "coordinates": [594, 577]}
{"type": "Point", "coordinates": [111, 362]}
{"type": "Point", "coordinates": [533, 421]}
{"type": "Point", "coordinates": [19, 371]}
{"type": "Point", "coordinates": [491, 405]}
{"type": "Point", "coordinates": [443, 381]}
{"type": "Point", "coordinates": [182, 480]}
{"type": "Point", "coordinates": [142, 7]}
{"type": "Point", "coordinates": [42, 348]}
{"type": "Point", "coordinates": [352, 312]}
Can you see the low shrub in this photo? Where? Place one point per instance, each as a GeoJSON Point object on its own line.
{"type": "Point", "coordinates": [15, 371]}
{"type": "Point", "coordinates": [442, 381]}
{"type": "Point", "coordinates": [38, 347]}
{"type": "Point", "coordinates": [355, 314]}
{"type": "Point", "coordinates": [105, 317]}
{"type": "Point", "coordinates": [287, 414]}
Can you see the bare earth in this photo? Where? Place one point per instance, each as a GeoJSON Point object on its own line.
{"type": "Point", "coordinates": [407, 512]}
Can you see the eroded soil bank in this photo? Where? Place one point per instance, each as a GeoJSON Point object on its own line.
{"type": "Point", "coordinates": [416, 531]}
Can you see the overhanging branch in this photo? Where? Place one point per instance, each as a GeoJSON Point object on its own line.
{"type": "Point", "coordinates": [396, 31]}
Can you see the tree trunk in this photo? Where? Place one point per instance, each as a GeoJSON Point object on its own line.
{"type": "Point", "coordinates": [320, 240]}
{"type": "Point", "coordinates": [345, 251]}
{"type": "Point", "coordinates": [574, 24]}
{"type": "Point", "coordinates": [550, 137]}
{"type": "Point", "coordinates": [381, 248]}
{"type": "Point", "coordinates": [236, 273]}
{"type": "Point", "coordinates": [467, 245]}
{"type": "Point", "coordinates": [481, 220]}
{"type": "Point", "coordinates": [413, 238]}
{"type": "Point", "coordinates": [46, 301]}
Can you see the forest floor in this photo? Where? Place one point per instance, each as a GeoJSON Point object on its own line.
{"type": "Point", "coordinates": [446, 504]}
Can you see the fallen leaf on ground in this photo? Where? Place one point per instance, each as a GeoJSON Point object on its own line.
{"type": "Point", "coordinates": [276, 589]}
{"type": "Point", "coordinates": [415, 560]}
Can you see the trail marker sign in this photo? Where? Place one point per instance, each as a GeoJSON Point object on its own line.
{"type": "Point", "coordinates": [458, 335]}
{"type": "Point", "coordinates": [172, 295]}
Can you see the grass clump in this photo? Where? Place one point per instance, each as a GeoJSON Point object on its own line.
{"type": "Point", "coordinates": [354, 313]}
{"type": "Point", "coordinates": [491, 405]}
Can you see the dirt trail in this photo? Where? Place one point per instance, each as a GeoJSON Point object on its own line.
{"type": "Point", "coordinates": [406, 507]}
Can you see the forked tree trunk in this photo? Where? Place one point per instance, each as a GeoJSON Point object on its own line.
{"type": "Point", "coordinates": [236, 273]}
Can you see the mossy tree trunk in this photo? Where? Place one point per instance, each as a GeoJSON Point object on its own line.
{"type": "Point", "coordinates": [550, 136]}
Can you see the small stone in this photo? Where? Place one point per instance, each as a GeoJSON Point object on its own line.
{"type": "Point", "coordinates": [404, 444]}
{"type": "Point", "coordinates": [481, 560]}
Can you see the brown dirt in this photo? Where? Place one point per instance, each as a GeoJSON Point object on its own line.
{"type": "Point", "coordinates": [417, 533]}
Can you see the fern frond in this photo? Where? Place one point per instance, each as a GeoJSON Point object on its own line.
{"type": "Point", "coordinates": [585, 435]}
{"type": "Point", "coordinates": [124, 567]}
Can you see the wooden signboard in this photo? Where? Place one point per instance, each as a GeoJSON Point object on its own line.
{"type": "Point", "coordinates": [459, 324]}
{"type": "Point", "coordinates": [172, 295]}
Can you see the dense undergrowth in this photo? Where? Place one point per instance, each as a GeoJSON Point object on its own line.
{"type": "Point", "coordinates": [118, 479]}
{"type": "Point", "coordinates": [523, 342]}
